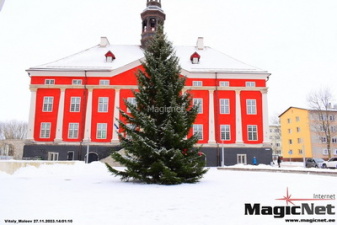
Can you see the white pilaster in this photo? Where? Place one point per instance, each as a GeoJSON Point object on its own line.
{"type": "Point", "coordinates": [211, 128]}
{"type": "Point", "coordinates": [265, 116]}
{"type": "Point", "coordinates": [116, 116]}
{"type": "Point", "coordinates": [31, 119]}
{"type": "Point", "coordinates": [238, 123]}
{"type": "Point", "coordinates": [88, 118]}
{"type": "Point", "coordinates": [60, 115]}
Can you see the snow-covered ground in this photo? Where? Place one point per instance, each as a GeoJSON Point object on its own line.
{"type": "Point", "coordinates": [89, 195]}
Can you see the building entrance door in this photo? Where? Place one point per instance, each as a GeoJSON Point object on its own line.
{"type": "Point", "coordinates": [53, 156]}
{"type": "Point", "coordinates": [241, 158]}
{"type": "Point", "coordinates": [92, 157]}
{"type": "Point", "coordinates": [70, 156]}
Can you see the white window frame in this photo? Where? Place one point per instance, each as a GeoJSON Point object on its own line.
{"type": "Point", "coordinates": [252, 133]}
{"type": "Point", "coordinates": [325, 152]}
{"type": "Point", "coordinates": [225, 132]}
{"type": "Point", "coordinates": [198, 101]}
{"type": "Point", "coordinates": [45, 130]}
{"type": "Point", "coordinates": [251, 106]}
{"type": "Point", "coordinates": [130, 126]}
{"type": "Point", "coordinates": [104, 82]}
{"type": "Point", "coordinates": [53, 156]}
{"type": "Point", "coordinates": [101, 131]}
{"type": "Point", "coordinates": [75, 104]}
{"type": "Point", "coordinates": [323, 139]}
{"type": "Point", "coordinates": [103, 104]}
{"type": "Point", "coordinates": [131, 100]}
{"type": "Point", "coordinates": [76, 82]}
{"type": "Point", "coordinates": [197, 83]}
{"type": "Point", "coordinates": [224, 83]}
{"type": "Point", "coordinates": [198, 129]}
{"type": "Point", "coordinates": [224, 106]}
{"type": "Point", "coordinates": [195, 60]}
{"type": "Point", "coordinates": [73, 130]}
{"type": "Point", "coordinates": [48, 102]}
{"type": "Point", "coordinates": [321, 128]}
{"type": "Point", "coordinates": [323, 117]}
{"type": "Point", "coordinates": [49, 81]}
{"type": "Point", "coordinates": [250, 84]}
{"type": "Point", "coordinates": [241, 159]}
{"type": "Point", "coordinates": [335, 151]}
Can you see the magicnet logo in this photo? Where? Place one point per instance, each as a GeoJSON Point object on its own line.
{"type": "Point", "coordinates": [303, 209]}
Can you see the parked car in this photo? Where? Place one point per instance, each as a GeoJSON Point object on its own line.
{"type": "Point", "coordinates": [314, 162]}
{"type": "Point", "coordinates": [331, 163]}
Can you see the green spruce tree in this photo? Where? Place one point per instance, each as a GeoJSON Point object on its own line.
{"type": "Point", "coordinates": [155, 130]}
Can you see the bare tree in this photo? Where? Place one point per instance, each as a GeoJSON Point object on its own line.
{"type": "Point", "coordinates": [274, 119]}
{"type": "Point", "coordinates": [275, 134]}
{"type": "Point", "coordinates": [323, 116]}
{"type": "Point", "coordinates": [13, 129]}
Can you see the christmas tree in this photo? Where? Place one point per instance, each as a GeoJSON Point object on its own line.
{"type": "Point", "coordinates": [155, 132]}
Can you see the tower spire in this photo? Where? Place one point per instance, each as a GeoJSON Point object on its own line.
{"type": "Point", "coordinates": [154, 2]}
{"type": "Point", "coordinates": [152, 17]}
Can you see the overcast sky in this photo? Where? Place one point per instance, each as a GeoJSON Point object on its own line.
{"type": "Point", "coordinates": [295, 40]}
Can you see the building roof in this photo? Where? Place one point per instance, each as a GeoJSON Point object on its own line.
{"type": "Point", "coordinates": [93, 59]}
{"type": "Point", "coordinates": [212, 60]}
{"type": "Point", "coordinates": [309, 110]}
{"type": "Point", "coordinates": [291, 107]}
{"type": "Point", "coordinates": [153, 7]}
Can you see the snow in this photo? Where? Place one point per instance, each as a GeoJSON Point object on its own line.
{"type": "Point", "coordinates": [212, 60]}
{"type": "Point", "coordinates": [88, 194]}
{"type": "Point", "coordinates": [94, 59]}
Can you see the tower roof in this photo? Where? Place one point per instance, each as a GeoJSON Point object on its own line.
{"type": "Point", "coordinates": [154, 3]}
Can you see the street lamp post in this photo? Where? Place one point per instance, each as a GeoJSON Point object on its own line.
{"type": "Point", "coordinates": [222, 156]}
{"type": "Point", "coordinates": [87, 158]}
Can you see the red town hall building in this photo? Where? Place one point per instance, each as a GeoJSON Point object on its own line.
{"type": "Point", "coordinates": [75, 100]}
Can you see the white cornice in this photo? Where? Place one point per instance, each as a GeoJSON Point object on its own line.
{"type": "Point", "coordinates": [34, 87]}
{"type": "Point", "coordinates": [112, 73]}
{"type": "Point", "coordinates": [80, 72]}
{"type": "Point", "coordinates": [251, 75]}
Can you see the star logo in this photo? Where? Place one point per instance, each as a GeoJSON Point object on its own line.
{"type": "Point", "coordinates": [287, 198]}
{"type": "Point", "coordinates": [290, 200]}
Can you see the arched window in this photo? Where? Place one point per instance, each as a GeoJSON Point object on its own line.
{"type": "Point", "coordinates": [144, 25]}
{"type": "Point", "coordinates": [153, 23]}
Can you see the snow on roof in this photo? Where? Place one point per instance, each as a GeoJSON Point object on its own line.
{"type": "Point", "coordinates": [153, 7]}
{"type": "Point", "coordinates": [94, 59]}
{"type": "Point", "coordinates": [211, 61]}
